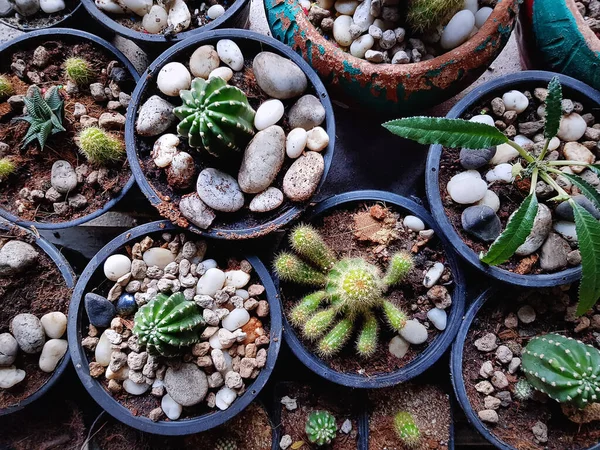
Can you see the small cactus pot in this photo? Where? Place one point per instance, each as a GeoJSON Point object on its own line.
{"type": "Point", "coordinates": [435, 348]}
{"type": "Point", "coordinates": [75, 13]}
{"type": "Point", "coordinates": [78, 322]}
{"type": "Point", "coordinates": [69, 278]}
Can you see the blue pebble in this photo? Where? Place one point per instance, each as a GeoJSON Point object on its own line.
{"type": "Point", "coordinates": [126, 305]}
{"type": "Point", "coordinates": [99, 310]}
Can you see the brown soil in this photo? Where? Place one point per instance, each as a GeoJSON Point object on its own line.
{"type": "Point", "coordinates": [39, 290]}
{"type": "Point", "coordinates": [41, 19]}
{"type": "Point", "coordinates": [430, 407]}
{"type": "Point", "coordinates": [516, 420]}
{"type": "Point", "coordinates": [356, 233]}
{"type": "Point", "coordinates": [316, 398]}
{"type": "Point", "coordinates": [34, 165]}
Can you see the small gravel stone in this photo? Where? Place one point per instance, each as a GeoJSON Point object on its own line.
{"type": "Point", "coordinates": [484, 387]}
{"type": "Point", "coordinates": [526, 314]}
{"type": "Point", "coordinates": [486, 343]}
{"type": "Point", "coordinates": [499, 380]}
{"type": "Point", "coordinates": [504, 354]}
{"type": "Point", "coordinates": [488, 416]}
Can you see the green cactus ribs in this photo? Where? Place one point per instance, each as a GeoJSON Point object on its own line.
{"type": "Point", "coordinates": [215, 116]}
{"type": "Point", "coordinates": [165, 324]}
{"type": "Point", "coordinates": [406, 429]}
{"type": "Point", "coordinates": [565, 369]}
{"type": "Point", "coordinates": [321, 428]}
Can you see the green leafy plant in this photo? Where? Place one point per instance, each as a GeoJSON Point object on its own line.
{"type": "Point", "coordinates": [353, 289]}
{"type": "Point", "coordinates": [226, 444]}
{"type": "Point", "coordinates": [321, 428]}
{"type": "Point", "coordinates": [406, 429]}
{"type": "Point", "coordinates": [7, 168]}
{"type": "Point", "coordinates": [6, 87]}
{"type": "Point", "coordinates": [458, 133]}
{"type": "Point", "coordinates": [44, 116]}
{"type": "Point", "coordinates": [165, 324]}
{"type": "Point", "coordinates": [567, 370]}
{"type": "Point", "coordinates": [99, 146]}
{"type": "Point", "coordinates": [425, 15]}
{"type": "Point", "coordinates": [78, 70]}
{"type": "Point", "coordinates": [523, 390]}
{"type": "Point", "coordinates": [215, 116]}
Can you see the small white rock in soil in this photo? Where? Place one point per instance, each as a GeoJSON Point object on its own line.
{"type": "Point", "coordinates": [504, 153]}
{"type": "Point", "coordinates": [296, 142]}
{"type": "Point", "coordinates": [172, 78]}
{"type": "Point", "coordinates": [515, 101]}
{"type": "Point", "coordinates": [433, 275]}
{"type": "Point", "coordinates": [170, 407]}
{"type": "Point", "coordinates": [210, 264]}
{"type": "Point", "coordinates": [414, 223]}
{"type": "Point", "coordinates": [165, 149]}
{"type": "Point", "coordinates": [159, 257]}
{"type": "Point", "coordinates": [458, 30]}
{"type": "Point", "coordinates": [317, 139]}
{"type": "Point", "coordinates": [225, 397]}
{"type": "Point", "coordinates": [236, 319]}
{"type": "Point", "coordinates": [9, 376]}
{"type": "Point", "coordinates": [215, 11]}
{"type": "Point", "coordinates": [222, 72]}
{"type": "Point", "coordinates": [116, 266]}
{"type": "Point", "coordinates": [135, 388]}
{"type": "Point", "coordinates": [482, 16]}
{"type": "Point", "coordinates": [466, 187]}
{"type": "Point", "coordinates": [103, 351]}
{"type": "Point", "coordinates": [267, 200]}
{"type": "Point", "coordinates": [230, 54]}
{"type": "Point", "coordinates": [52, 353]}
{"type": "Point", "coordinates": [502, 172]}
{"type": "Point", "coordinates": [438, 318]}
{"type": "Point", "coordinates": [572, 127]}
{"type": "Point", "coordinates": [269, 113]}
{"type": "Point", "coordinates": [54, 323]}
{"type": "Point", "coordinates": [211, 281]}
{"type": "Point", "coordinates": [414, 332]}
{"type": "Point", "coordinates": [490, 199]}
{"type": "Point", "coordinates": [483, 118]}
{"type": "Point", "coordinates": [236, 278]}
{"type": "Point", "coordinates": [398, 347]}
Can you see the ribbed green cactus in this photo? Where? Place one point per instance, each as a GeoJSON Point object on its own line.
{"type": "Point", "coordinates": [567, 370]}
{"type": "Point", "coordinates": [425, 15]}
{"type": "Point", "coordinates": [215, 116]}
{"type": "Point", "coordinates": [44, 116]}
{"type": "Point", "coordinates": [354, 288]}
{"type": "Point", "coordinates": [6, 87]}
{"type": "Point", "coordinates": [321, 428]}
{"type": "Point", "coordinates": [407, 429]}
{"type": "Point", "coordinates": [7, 168]}
{"type": "Point", "coordinates": [165, 324]}
{"type": "Point", "coordinates": [226, 444]}
{"type": "Point", "coordinates": [523, 390]}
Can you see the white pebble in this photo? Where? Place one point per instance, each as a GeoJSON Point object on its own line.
{"type": "Point", "coordinates": [236, 319]}
{"type": "Point", "coordinates": [471, 5]}
{"type": "Point", "coordinates": [55, 324]}
{"type": "Point", "coordinates": [159, 257]}
{"type": "Point", "coordinates": [135, 388]}
{"type": "Point", "coordinates": [341, 30]}
{"type": "Point", "coordinates": [523, 141]}
{"type": "Point", "coordinates": [214, 342]}
{"type": "Point", "coordinates": [215, 11]}
{"type": "Point", "coordinates": [554, 143]}
{"type": "Point", "coordinates": [502, 172]}
{"type": "Point", "coordinates": [230, 54]}
{"type": "Point", "coordinates": [346, 7]}
{"type": "Point", "coordinates": [165, 149]}
{"type": "Point", "coordinates": [236, 278]}
{"type": "Point", "coordinates": [515, 101]}
{"type": "Point", "coordinates": [438, 318]}
{"type": "Point", "coordinates": [482, 16]}
{"type": "Point", "coordinates": [242, 293]}
{"type": "Point", "coordinates": [296, 142]}
{"type": "Point", "coordinates": [52, 353]}
{"type": "Point", "coordinates": [267, 114]}
{"type": "Point", "coordinates": [172, 78]}
{"type": "Point", "coordinates": [116, 266]}
{"type": "Point", "coordinates": [483, 118]}
{"type": "Point", "coordinates": [9, 376]}
{"type": "Point", "coordinates": [414, 332]}
{"type": "Point", "coordinates": [225, 397]}
{"type": "Point", "coordinates": [504, 153]}
{"type": "Point", "coordinates": [267, 200]}
{"type": "Point", "coordinates": [209, 264]}
{"type": "Point", "coordinates": [360, 46]}
{"type": "Point", "coordinates": [398, 347]}
{"type": "Point", "coordinates": [458, 29]}
{"type": "Point", "coordinates": [466, 187]}
{"type": "Point", "coordinates": [222, 72]}
{"type": "Point", "coordinates": [317, 139]}
{"type": "Point", "coordinates": [490, 199]}
{"type": "Point", "coordinates": [572, 127]}
{"type": "Point", "coordinates": [170, 407]}
{"type": "Point", "coordinates": [121, 374]}
{"type": "Point", "coordinates": [103, 351]}
{"type": "Point", "coordinates": [211, 281]}
{"type": "Point", "coordinates": [414, 223]}
{"type": "Point", "coordinates": [433, 275]}
{"type": "Point", "coordinates": [156, 20]}
{"type": "Point", "coordinates": [566, 229]}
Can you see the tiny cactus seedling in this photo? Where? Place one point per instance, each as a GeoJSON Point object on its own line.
{"type": "Point", "coordinates": [6, 87]}
{"type": "Point", "coordinates": [44, 116]}
{"type": "Point", "coordinates": [426, 15]}
{"type": "Point", "coordinates": [567, 370]}
{"type": "Point", "coordinates": [100, 147]}
{"type": "Point", "coordinates": [523, 390]}
{"type": "Point", "coordinates": [321, 428]}
{"type": "Point", "coordinates": [406, 429]}
{"type": "Point", "coordinates": [165, 324]}
{"type": "Point", "coordinates": [78, 70]}
{"type": "Point", "coordinates": [226, 444]}
{"type": "Point", "coordinates": [353, 289]}
{"type": "Point", "coordinates": [7, 168]}
{"type": "Point", "coordinates": [215, 116]}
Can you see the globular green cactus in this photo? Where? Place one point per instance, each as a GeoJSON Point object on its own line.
{"type": "Point", "coordinates": [7, 168]}
{"type": "Point", "coordinates": [354, 288]}
{"type": "Point", "coordinates": [44, 116]}
{"type": "Point", "coordinates": [407, 429]}
{"type": "Point", "coordinates": [226, 444]}
{"type": "Point", "coordinates": [100, 147]}
{"type": "Point", "coordinates": [6, 87]}
{"type": "Point", "coordinates": [567, 370]}
{"type": "Point", "coordinates": [321, 428]}
{"type": "Point", "coordinates": [523, 390]}
{"type": "Point", "coordinates": [78, 70]}
{"type": "Point", "coordinates": [165, 324]}
{"type": "Point", "coordinates": [215, 116]}
{"type": "Point", "coordinates": [425, 15]}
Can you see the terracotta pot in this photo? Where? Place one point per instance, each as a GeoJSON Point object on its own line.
{"type": "Point", "coordinates": [392, 88]}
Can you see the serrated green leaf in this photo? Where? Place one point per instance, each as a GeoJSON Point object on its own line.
{"type": "Point", "coordinates": [454, 133]}
{"type": "Point", "coordinates": [553, 108]}
{"type": "Point", "coordinates": [515, 234]}
{"type": "Point", "coordinates": [588, 235]}
{"type": "Point", "coordinates": [594, 168]}
{"type": "Point", "coordinates": [586, 188]}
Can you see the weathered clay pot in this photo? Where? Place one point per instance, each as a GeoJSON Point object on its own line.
{"type": "Point", "coordinates": [392, 88]}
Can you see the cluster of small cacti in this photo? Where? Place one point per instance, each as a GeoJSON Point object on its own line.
{"type": "Point", "coordinates": [99, 146]}
{"type": "Point", "coordinates": [321, 428]}
{"type": "Point", "coordinates": [7, 168]}
{"type": "Point", "coordinates": [226, 444]}
{"type": "Point", "coordinates": [406, 429]}
{"type": "Point", "coordinates": [78, 70]}
{"type": "Point", "coordinates": [523, 390]}
{"type": "Point", "coordinates": [44, 115]}
{"type": "Point", "coordinates": [6, 87]}
{"type": "Point", "coordinates": [565, 369]}
{"type": "Point", "coordinates": [426, 15]}
{"type": "Point", "coordinates": [165, 324]}
{"type": "Point", "coordinates": [215, 116]}
{"type": "Point", "coordinates": [353, 289]}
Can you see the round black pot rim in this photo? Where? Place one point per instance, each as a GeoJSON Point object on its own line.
{"type": "Point", "coordinates": [427, 357]}
{"type": "Point", "coordinates": [116, 409]}
{"type": "Point", "coordinates": [54, 25]}
{"type": "Point", "coordinates": [147, 38]}
{"type": "Point", "coordinates": [225, 233]}
{"type": "Point", "coordinates": [56, 33]}
{"type": "Point", "coordinates": [69, 277]}
{"type": "Point", "coordinates": [432, 181]}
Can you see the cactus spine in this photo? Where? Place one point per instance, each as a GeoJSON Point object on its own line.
{"type": "Point", "coordinates": [321, 428]}
{"type": "Point", "coordinates": [165, 324]}
{"type": "Point", "coordinates": [100, 147]}
{"type": "Point", "coordinates": [567, 370]}
{"type": "Point", "coordinates": [407, 429]}
{"type": "Point", "coordinates": [354, 288]}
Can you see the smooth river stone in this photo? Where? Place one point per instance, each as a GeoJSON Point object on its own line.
{"type": "Point", "coordinates": [414, 332]}
{"type": "Point", "coordinates": [224, 73]}
{"type": "Point", "coordinates": [236, 278]}
{"type": "Point", "coordinates": [203, 61]}
{"type": "Point", "coordinates": [346, 7]}
{"type": "Point", "coordinates": [135, 388]}
{"type": "Point", "coordinates": [187, 385]}
{"type": "Point", "coordinates": [483, 118]}
{"type": "Point", "coordinates": [307, 113]}
{"type": "Point", "coordinates": [466, 187]}
{"type": "Point", "coordinates": [504, 153]}
{"type": "Point", "coordinates": [482, 16]}
{"type": "Point", "coordinates": [362, 16]}
{"type": "Point", "coordinates": [262, 160]}
{"type": "Point", "coordinates": [116, 266]}
{"type": "Point", "coordinates": [170, 407]}
{"type": "Point", "coordinates": [52, 353]}
{"type": "Point", "coordinates": [9, 376]}
{"type": "Point", "coordinates": [267, 200]}
{"type": "Point", "coordinates": [103, 351]}
{"type": "Point", "coordinates": [303, 177]}
{"type": "Point", "coordinates": [159, 257]}
{"type": "Point", "coordinates": [515, 101]}
{"type": "Point", "coordinates": [196, 211]}
{"type": "Point", "coordinates": [267, 114]}
{"type": "Point", "coordinates": [8, 349]}
{"type": "Point", "coordinates": [172, 78]}
{"type": "Point", "coordinates": [236, 319]}
{"type": "Point", "coordinates": [212, 281]}
{"type": "Point", "coordinates": [230, 54]}
{"type": "Point", "coordinates": [52, 6]}
{"type": "Point", "coordinates": [55, 324]}
{"type": "Point", "coordinates": [341, 30]}
{"type": "Point", "coordinates": [16, 256]}
{"type": "Point", "coordinates": [458, 30]}
{"type": "Point", "coordinates": [155, 117]}
{"type": "Point", "coordinates": [278, 77]}
{"type": "Point", "coordinates": [156, 20]}
{"type": "Point", "coordinates": [296, 142]}
{"type": "Point", "coordinates": [572, 127]}
{"type": "Point", "coordinates": [542, 225]}
{"type": "Point", "coordinates": [28, 332]}
{"type": "Point", "coordinates": [219, 190]}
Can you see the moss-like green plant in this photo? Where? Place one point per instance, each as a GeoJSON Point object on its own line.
{"type": "Point", "coordinates": [7, 168]}
{"type": "Point", "coordinates": [215, 116]}
{"type": "Point", "coordinates": [78, 70]}
{"type": "Point", "coordinates": [226, 444]}
{"type": "Point", "coordinates": [100, 147]}
{"type": "Point", "coordinates": [6, 87]}
{"type": "Point", "coordinates": [165, 324]}
{"type": "Point", "coordinates": [406, 429]}
{"type": "Point", "coordinates": [353, 289]}
{"type": "Point", "coordinates": [523, 390]}
{"type": "Point", "coordinates": [321, 428]}
{"type": "Point", "coordinates": [458, 133]}
{"type": "Point", "coordinates": [44, 116]}
{"type": "Point", "coordinates": [567, 370]}
{"type": "Point", "coordinates": [425, 15]}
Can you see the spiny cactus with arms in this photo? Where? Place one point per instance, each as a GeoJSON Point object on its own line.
{"type": "Point", "coordinates": [406, 429]}
{"type": "Point", "coordinates": [353, 290]}
{"type": "Point", "coordinates": [165, 324]}
{"type": "Point", "coordinates": [321, 428]}
{"type": "Point", "coordinates": [567, 370]}
{"type": "Point", "coordinates": [215, 116]}
{"type": "Point", "coordinates": [44, 116]}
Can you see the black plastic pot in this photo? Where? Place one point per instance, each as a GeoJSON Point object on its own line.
{"type": "Point", "coordinates": [78, 322]}
{"type": "Point", "coordinates": [523, 80]}
{"type": "Point", "coordinates": [74, 36]}
{"type": "Point", "coordinates": [69, 20]}
{"type": "Point", "coordinates": [227, 225]}
{"type": "Point", "coordinates": [435, 350]}
{"type": "Point", "coordinates": [69, 277]}
{"type": "Point", "coordinates": [236, 16]}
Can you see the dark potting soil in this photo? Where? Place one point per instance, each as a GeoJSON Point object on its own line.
{"type": "Point", "coordinates": [356, 233]}
{"type": "Point", "coordinates": [335, 400]}
{"type": "Point", "coordinates": [41, 19]}
{"type": "Point", "coordinates": [34, 165]}
{"type": "Point", "coordinates": [429, 406]}
{"type": "Point", "coordinates": [516, 421]}
{"type": "Point", "coordinates": [39, 290]}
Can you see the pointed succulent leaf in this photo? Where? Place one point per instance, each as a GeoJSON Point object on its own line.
{"type": "Point", "coordinates": [45, 119]}
{"type": "Point", "coordinates": [553, 108]}
{"type": "Point", "coordinates": [588, 235]}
